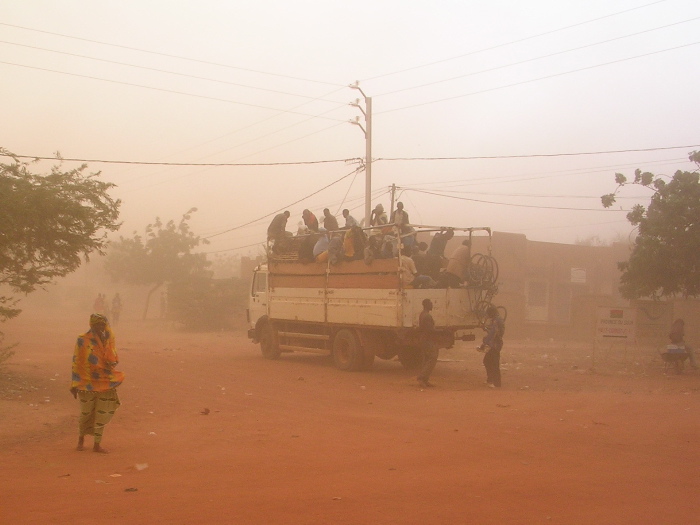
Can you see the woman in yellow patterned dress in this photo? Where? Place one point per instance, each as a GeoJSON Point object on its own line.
{"type": "Point", "coordinates": [94, 380]}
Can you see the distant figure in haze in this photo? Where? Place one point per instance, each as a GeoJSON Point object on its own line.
{"type": "Point", "coordinates": [428, 345]}
{"type": "Point", "coordinates": [330, 223]}
{"type": "Point", "coordinates": [350, 221]}
{"type": "Point", "coordinates": [116, 309]}
{"type": "Point", "coordinates": [310, 220]}
{"type": "Point", "coordinates": [492, 344]}
{"type": "Point", "coordinates": [99, 305]}
{"type": "Point", "coordinates": [677, 337]}
{"type": "Point", "coordinates": [320, 251]}
{"type": "Point", "coordinates": [94, 380]}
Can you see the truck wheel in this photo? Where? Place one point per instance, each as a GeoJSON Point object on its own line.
{"type": "Point", "coordinates": [411, 357]}
{"type": "Point", "coordinates": [347, 352]}
{"type": "Point", "coordinates": [268, 342]}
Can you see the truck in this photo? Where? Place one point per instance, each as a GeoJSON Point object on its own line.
{"type": "Point", "coordinates": [356, 312]}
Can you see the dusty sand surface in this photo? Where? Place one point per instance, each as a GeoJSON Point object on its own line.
{"type": "Point", "coordinates": [297, 441]}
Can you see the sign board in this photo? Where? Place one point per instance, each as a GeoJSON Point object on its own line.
{"type": "Point", "coordinates": [616, 324]}
{"type": "Point", "coordinates": [578, 275]}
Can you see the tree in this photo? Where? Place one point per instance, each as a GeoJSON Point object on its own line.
{"type": "Point", "coordinates": [665, 258]}
{"type": "Point", "coordinates": [162, 255]}
{"type": "Point", "coordinates": [48, 223]}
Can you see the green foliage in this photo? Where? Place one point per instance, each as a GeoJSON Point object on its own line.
{"type": "Point", "coordinates": [48, 223]}
{"type": "Point", "coordinates": [665, 260]}
{"type": "Point", "coordinates": [162, 255]}
{"type": "Point", "coordinates": [203, 303]}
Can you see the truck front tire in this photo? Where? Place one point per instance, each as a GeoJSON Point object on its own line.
{"type": "Point", "coordinates": [347, 352]}
{"type": "Point", "coordinates": [269, 344]}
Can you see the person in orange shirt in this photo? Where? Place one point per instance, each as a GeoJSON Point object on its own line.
{"type": "Point", "coordinates": [94, 380]}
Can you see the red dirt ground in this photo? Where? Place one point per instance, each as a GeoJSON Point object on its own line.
{"type": "Point", "coordinates": [297, 441]}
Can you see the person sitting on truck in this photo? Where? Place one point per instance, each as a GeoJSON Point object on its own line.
{"type": "Point", "coordinates": [336, 249]}
{"type": "Point", "coordinates": [310, 220]}
{"type": "Point", "coordinates": [428, 345]}
{"type": "Point", "coordinates": [330, 223]}
{"type": "Point", "coordinates": [354, 243]}
{"type": "Point", "coordinates": [410, 276]}
{"type": "Point", "coordinates": [320, 251]}
{"type": "Point", "coordinates": [306, 248]}
{"type": "Point", "coordinates": [350, 221]}
{"type": "Point", "coordinates": [458, 265]}
{"type": "Point", "coordinates": [420, 259]}
{"type": "Point", "coordinates": [372, 249]}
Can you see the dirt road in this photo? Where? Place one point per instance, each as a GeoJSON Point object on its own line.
{"type": "Point", "coordinates": [297, 441]}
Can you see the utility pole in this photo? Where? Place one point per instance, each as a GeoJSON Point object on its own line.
{"type": "Point", "coordinates": [367, 130]}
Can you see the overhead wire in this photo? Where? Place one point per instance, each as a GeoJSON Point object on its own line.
{"type": "Point", "coordinates": [386, 159]}
{"type": "Point", "coordinates": [287, 206]}
{"type": "Point", "coordinates": [517, 41]}
{"type": "Point", "coordinates": [176, 73]}
{"type": "Point", "coordinates": [172, 56]}
{"type": "Point", "coordinates": [541, 57]}
{"type": "Point", "coordinates": [530, 81]}
{"type": "Point", "coordinates": [165, 90]}
{"type": "Point", "coordinates": [514, 204]}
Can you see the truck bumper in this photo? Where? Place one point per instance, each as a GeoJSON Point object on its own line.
{"type": "Point", "coordinates": [252, 335]}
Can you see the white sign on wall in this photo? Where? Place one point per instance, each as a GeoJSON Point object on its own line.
{"type": "Point", "coordinates": [616, 324]}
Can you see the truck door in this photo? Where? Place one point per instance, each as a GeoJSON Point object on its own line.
{"type": "Point", "coordinates": [258, 297]}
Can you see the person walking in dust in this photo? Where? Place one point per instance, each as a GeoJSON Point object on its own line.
{"type": "Point", "coordinates": [492, 344]}
{"type": "Point", "coordinates": [94, 380]}
{"type": "Point", "coordinates": [428, 345]}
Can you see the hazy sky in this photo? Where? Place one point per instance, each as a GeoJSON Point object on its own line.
{"type": "Point", "coordinates": [264, 82]}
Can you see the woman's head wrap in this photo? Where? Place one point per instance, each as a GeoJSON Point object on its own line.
{"type": "Point", "coordinates": [98, 319]}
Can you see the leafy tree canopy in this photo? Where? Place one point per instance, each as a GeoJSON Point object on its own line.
{"type": "Point", "coordinates": [665, 258]}
{"type": "Point", "coordinates": [162, 255]}
{"type": "Point", "coordinates": [48, 223]}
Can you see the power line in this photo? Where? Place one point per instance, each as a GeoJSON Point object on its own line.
{"type": "Point", "coordinates": [354, 159]}
{"type": "Point", "coordinates": [285, 207]}
{"type": "Point", "coordinates": [537, 79]}
{"type": "Point", "coordinates": [518, 41]}
{"type": "Point", "coordinates": [535, 155]}
{"type": "Point", "coordinates": [165, 90]}
{"type": "Point", "coordinates": [172, 56]}
{"type": "Point", "coordinates": [168, 72]}
{"type": "Point", "coordinates": [511, 204]}
{"type": "Point", "coordinates": [143, 163]}
{"type": "Point", "coordinates": [536, 58]}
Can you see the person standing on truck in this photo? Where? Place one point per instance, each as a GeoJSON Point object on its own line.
{"type": "Point", "coordinates": [350, 221]}
{"type": "Point", "coordinates": [310, 220]}
{"type": "Point", "coordinates": [492, 344]}
{"type": "Point", "coordinates": [428, 345]}
{"type": "Point", "coordinates": [439, 242]}
{"type": "Point", "coordinates": [458, 265]}
{"type": "Point", "coordinates": [330, 223]}
{"type": "Point", "coordinates": [399, 216]}
{"type": "Point", "coordinates": [277, 228]}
